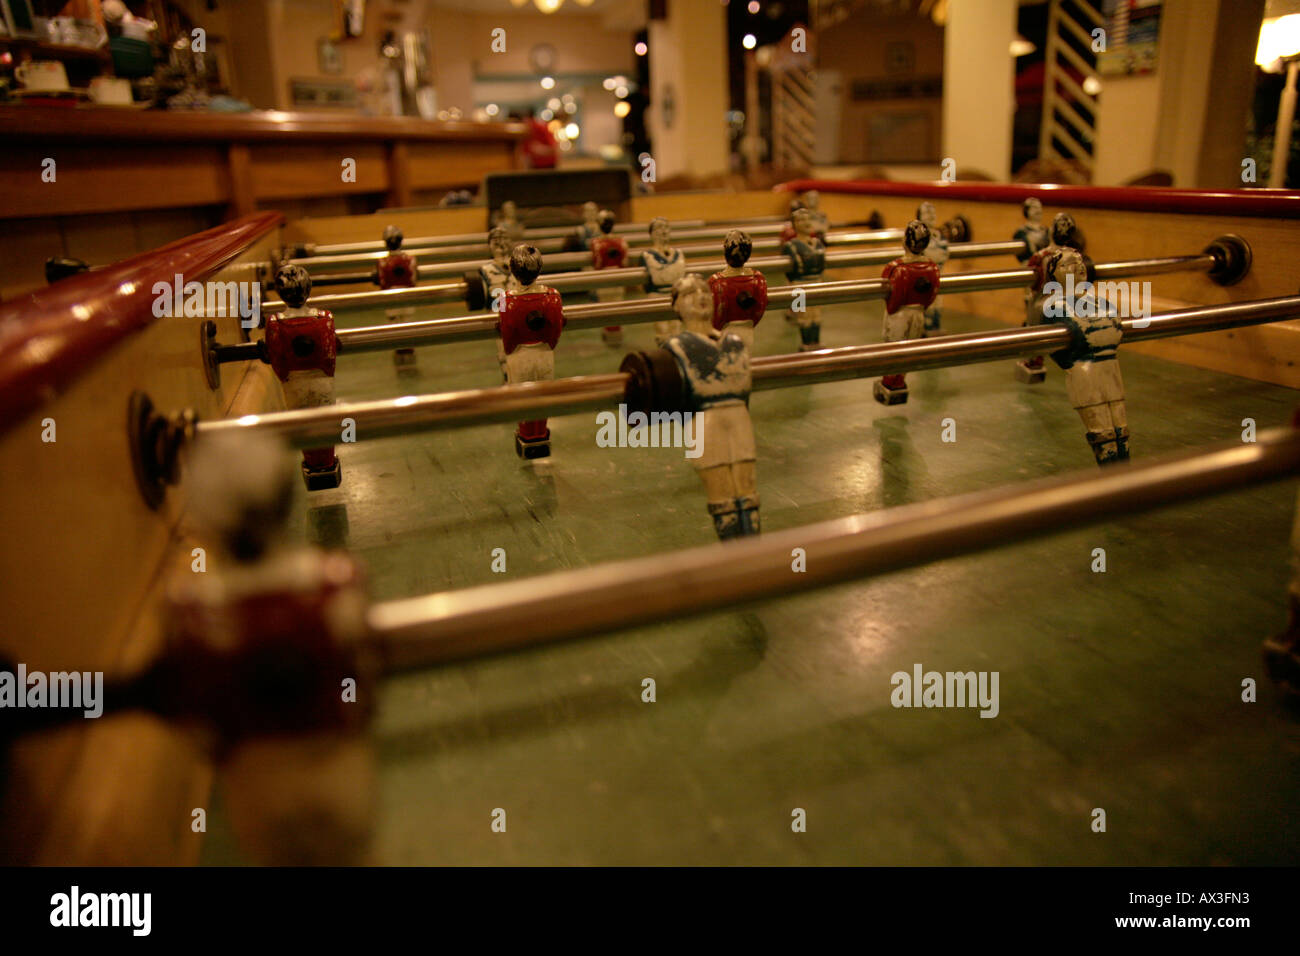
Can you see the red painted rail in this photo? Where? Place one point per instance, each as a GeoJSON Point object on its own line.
{"type": "Point", "coordinates": [50, 337]}
{"type": "Point", "coordinates": [1254, 203]}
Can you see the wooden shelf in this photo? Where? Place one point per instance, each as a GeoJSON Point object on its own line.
{"type": "Point", "coordinates": [58, 51]}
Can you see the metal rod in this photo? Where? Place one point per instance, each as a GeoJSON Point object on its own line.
{"type": "Point", "coordinates": [308, 427]}
{"type": "Point", "coordinates": [423, 631]}
{"type": "Point", "coordinates": [587, 279]}
{"type": "Point", "coordinates": [456, 260]}
{"type": "Point", "coordinates": [305, 428]}
{"type": "Point", "coordinates": [652, 308]}
{"type": "Point", "coordinates": [751, 225]}
{"type": "Point", "coordinates": [916, 355]}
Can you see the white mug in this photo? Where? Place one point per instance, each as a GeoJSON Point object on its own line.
{"type": "Point", "coordinates": [111, 91]}
{"type": "Point", "coordinates": [42, 75]}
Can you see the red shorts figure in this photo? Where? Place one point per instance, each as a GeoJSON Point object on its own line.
{"type": "Point", "coordinates": [739, 292]}
{"type": "Point", "coordinates": [913, 284]}
{"type": "Point", "coordinates": [301, 349]}
{"type": "Point", "coordinates": [397, 270]}
{"type": "Point", "coordinates": [530, 326]}
{"type": "Point", "coordinates": [609, 251]}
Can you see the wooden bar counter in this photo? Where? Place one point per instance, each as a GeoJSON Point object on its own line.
{"type": "Point", "coordinates": [109, 160]}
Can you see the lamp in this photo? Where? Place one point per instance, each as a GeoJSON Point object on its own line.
{"type": "Point", "coordinates": [1279, 44]}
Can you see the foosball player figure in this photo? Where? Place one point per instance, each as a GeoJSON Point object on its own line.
{"type": "Point", "coordinates": [1064, 234]}
{"type": "Point", "coordinates": [590, 227]}
{"type": "Point", "coordinates": [807, 256]}
{"type": "Point", "coordinates": [397, 270]}
{"type": "Point", "coordinates": [508, 217]}
{"type": "Point", "coordinates": [1092, 376]}
{"type": "Point", "coordinates": [609, 251]}
{"type": "Point", "coordinates": [913, 284]}
{"type": "Point", "coordinates": [497, 280]}
{"type": "Point", "coordinates": [812, 201]}
{"type": "Point", "coordinates": [301, 349]}
{"type": "Point", "coordinates": [739, 292]}
{"type": "Point", "coordinates": [270, 646]}
{"type": "Point", "coordinates": [530, 327]}
{"type": "Point", "coordinates": [937, 252]}
{"type": "Point", "coordinates": [663, 266]}
{"type": "Point", "coordinates": [716, 372]}
{"type": "Point", "coordinates": [1033, 233]}
{"type": "Point", "coordinates": [1282, 651]}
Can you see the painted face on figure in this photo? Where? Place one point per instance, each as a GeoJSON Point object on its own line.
{"type": "Point", "coordinates": [660, 232]}
{"type": "Point", "coordinates": [508, 209]}
{"type": "Point", "coordinates": [590, 211]}
{"type": "Point", "coordinates": [1071, 263]}
{"type": "Point", "coordinates": [925, 212]}
{"type": "Point", "coordinates": [812, 199]}
{"type": "Point", "coordinates": [693, 302]}
{"type": "Point", "coordinates": [1033, 211]}
{"type": "Point", "coordinates": [802, 221]}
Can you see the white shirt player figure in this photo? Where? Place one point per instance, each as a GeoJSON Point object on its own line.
{"type": "Point", "coordinates": [508, 216]}
{"type": "Point", "coordinates": [812, 201]}
{"type": "Point", "coordinates": [279, 630]}
{"type": "Point", "coordinates": [663, 265]}
{"type": "Point", "coordinates": [1033, 233]}
{"type": "Point", "coordinates": [590, 227]}
{"type": "Point", "coordinates": [498, 280]}
{"type": "Point", "coordinates": [715, 368]}
{"type": "Point", "coordinates": [1093, 379]}
{"type": "Point", "coordinates": [937, 252]}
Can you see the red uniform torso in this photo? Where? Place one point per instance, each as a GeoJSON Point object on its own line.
{"type": "Point", "coordinates": [608, 252]}
{"type": "Point", "coordinates": [397, 271]}
{"type": "Point", "coordinates": [788, 233]}
{"type": "Point", "coordinates": [529, 318]}
{"type": "Point", "coordinates": [911, 283]}
{"type": "Point", "coordinates": [293, 627]}
{"type": "Point", "coordinates": [301, 343]}
{"type": "Point", "coordinates": [738, 298]}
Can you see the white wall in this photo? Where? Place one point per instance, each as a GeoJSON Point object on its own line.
{"type": "Point", "coordinates": [688, 53]}
{"type": "Point", "coordinates": [979, 86]}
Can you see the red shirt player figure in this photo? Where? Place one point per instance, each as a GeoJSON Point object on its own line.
{"type": "Point", "coordinates": [530, 326]}
{"type": "Point", "coordinates": [609, 251]}
{"type": "Point", "coordinates": [301, 348]}
{"type": "Point", "coordinates": [913, 284]}
{"type": "Point", "coordinates": [540, 149]}
{"type": "Point", "coordinates": [739, 292]}
{"type": "Point", "coordinates": [397, 270]}
{"type": "Point", "coordinates": [271, 644]}
{"type": "Point", "coordinates": [1064, 234]}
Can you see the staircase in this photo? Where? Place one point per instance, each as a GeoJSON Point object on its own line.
{"type": "Point", "coordinates": [1070, 83]}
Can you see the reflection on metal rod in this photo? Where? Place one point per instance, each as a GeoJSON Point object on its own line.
{"type": "Point", "coordinates": [652, 308]}
{"type": "Point", "coordinates": [456, 260]}
{"type": "Point", "coordinates": [423, 631]}
{"type": "Point", "coordinates": [583, 280]}
{"type": "Point", "coordinates": [305, 428]}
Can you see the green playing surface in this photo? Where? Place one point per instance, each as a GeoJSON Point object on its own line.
{"type": "Point", "coordinates": [1118, 690]}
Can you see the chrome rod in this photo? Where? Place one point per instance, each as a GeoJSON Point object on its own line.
{"type": "Point", "coordinates": [653, 308]}
{"type": "Point", "coordinates": [553, 238]}
{"type": "Point", "coordinates": [916, 355]}
{"type": "Point", "coordinates": [385, 418]}
{"type": "Point", "coordinates": [304, 428]}
{"type": "Point", "coordinates": [587, 279]}
{"type": "Point", "coordinates": [452, 260]}
{"type": "Point", "coordinates": [423, 631]}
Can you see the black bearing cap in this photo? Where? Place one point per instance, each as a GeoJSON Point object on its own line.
{"type": "Point", "coordinates": [957, 229]}
{"type": "Point", "coordinates": [656, 383]}
{"type": "Point", "coordinates": [1232, 259]}
{"type": "Point", "coordinates": [475, 291]}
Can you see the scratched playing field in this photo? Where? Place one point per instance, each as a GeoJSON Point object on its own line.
{"type": "Point", "coordinates": [1118, 691]}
